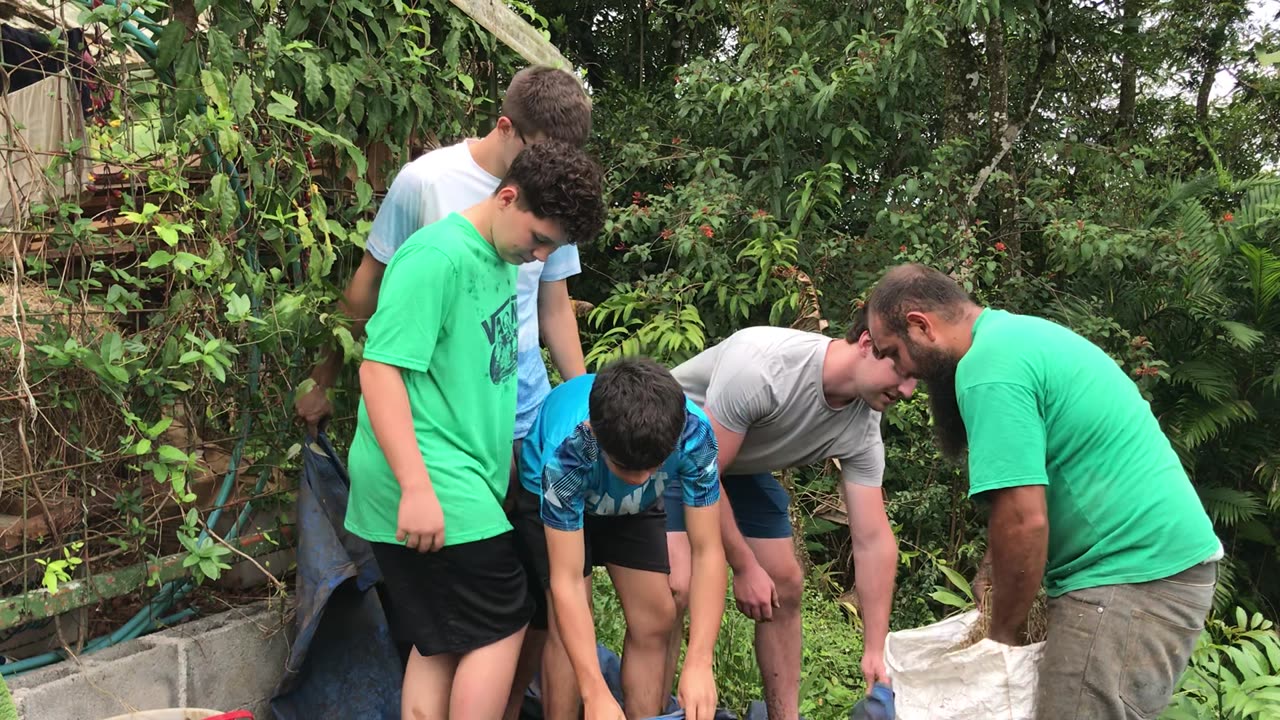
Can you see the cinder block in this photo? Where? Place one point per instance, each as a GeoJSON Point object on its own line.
{"type": "Point", "coordinates": [139, 675]}
{"type": "Point", "coordinates": [234, 660]}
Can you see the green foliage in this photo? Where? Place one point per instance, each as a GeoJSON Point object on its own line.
{"type": "Point", "coordinates": [819, 132]}
{"type": "Point", "coordinates": [831, 678]}
{"type": "Point", "coordinates": [58, 570]}
{"type": "Point", "coordinates": [1234, 672]}
{"type": "Point", "coordinates": [232, 194]}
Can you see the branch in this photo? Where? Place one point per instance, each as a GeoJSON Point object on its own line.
{"type": "Point", "coordinates": [1011, 132]}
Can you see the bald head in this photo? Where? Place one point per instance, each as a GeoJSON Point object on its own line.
{"type": "Point", "coordinates": [916, 288]}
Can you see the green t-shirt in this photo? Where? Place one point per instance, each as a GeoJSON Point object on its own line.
{"type": "Point", "coordinates": [447, 318]}
{"type": "Point", "coordinates": [1044, 406]}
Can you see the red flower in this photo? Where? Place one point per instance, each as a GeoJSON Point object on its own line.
{"type": "Point", "coordinates": [1227, 217]}
{"type": "Point", "coordinates": [1001, 247]}
{"type": "Point", "coordinates": [902, 248]}
{"type": "Point", "coordinates": [666, 234]}
{"type": "Point", "coordinates": [706, 230]}
{"type": "Point", "coordinates": [675, 140]}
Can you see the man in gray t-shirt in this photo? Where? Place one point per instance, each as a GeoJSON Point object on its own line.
{"type": "Point", "coordinates": [779, 398]}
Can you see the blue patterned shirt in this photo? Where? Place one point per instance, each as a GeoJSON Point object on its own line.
{"type": "Point", "coordinates": [562, 463]}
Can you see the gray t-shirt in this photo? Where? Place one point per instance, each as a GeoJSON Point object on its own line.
{"type": "Point", "coordinates": [766, 382]}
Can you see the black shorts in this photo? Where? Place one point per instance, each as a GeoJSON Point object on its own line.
{"type": "Point", "coordinates": [638, 542]}
{"type": "Point", "coordinates": [457, 599]}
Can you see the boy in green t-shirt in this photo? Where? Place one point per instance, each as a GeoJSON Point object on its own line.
{"type": "Point", "coordinates": [429, 461]}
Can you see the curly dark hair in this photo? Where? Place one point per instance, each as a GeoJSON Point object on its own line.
{"type": "Point", "coordinates": [637, 412]}
{"type": "Point", "coordinates": [548, 101]}
{"type": "Point", "coordinates": [559, 181]}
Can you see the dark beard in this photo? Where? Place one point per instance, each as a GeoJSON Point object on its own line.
{"type": "Point", "coordinates": [948, 426]}
{"type": "Point", "coordinates": [938, 371]}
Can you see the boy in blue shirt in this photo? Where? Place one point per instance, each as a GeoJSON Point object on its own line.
{"type": "Point", "coordinates": [592, 472]}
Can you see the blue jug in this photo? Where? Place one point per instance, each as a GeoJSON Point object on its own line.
{"type": "Point", "coordinates": [876, 706]}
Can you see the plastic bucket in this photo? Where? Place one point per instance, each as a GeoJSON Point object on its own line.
{"type": "Point", "coordinates": [183, 714]}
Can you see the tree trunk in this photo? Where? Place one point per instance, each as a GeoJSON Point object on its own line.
{"type": "Point", "coordinates": [997, 83]}
{"type": "Point", "coordinates": [1206, 87]}
{"type": "Point", "coordinates": [1005, 222]}
{"type": "Point", "coordinates": [960, 83]}
{"type": "Point", "coordinates": [1129, 46]}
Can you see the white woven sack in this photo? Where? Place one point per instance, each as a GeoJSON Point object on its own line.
{"type": "Point", "coordinates": [935, 678]}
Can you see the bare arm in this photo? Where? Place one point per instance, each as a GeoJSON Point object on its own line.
{"type": "Point", "coordinates": [706, 610]}
{"type": "Point", "coordinates": [420, 524]}
{"type": "Point", "coordinates": [566, 557]}
{"type": "Point", "coordinates": [754, 591]}
{"type": "Point", "coordinates": [736, 549]}
{"type": "Point", "coordinates": [559, 328]}
{"type": "Point", "coordinates": [1018, 534]}
{"type": "Point", "coordinates": [875, 560]}
{"type": "Point", "coordinates": [358, 303]}
{"type": "Point", "coordinates": [387, 403]}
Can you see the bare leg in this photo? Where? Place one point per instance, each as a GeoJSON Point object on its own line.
{"type": "Point", "coordinates": [650, 613]}
{"type": "Point", "coordinates": [427, 681]}
{"type": "Point", "coordinates": [526, 668]}
{"type": "Point", "coordinates": [478, 673]}
{"type": "Point", "coordinates": [778, 642]}
{"type": "Point", "coordinates": [561, 699]}
{"type": "Point", "coordinates": [678, 555]}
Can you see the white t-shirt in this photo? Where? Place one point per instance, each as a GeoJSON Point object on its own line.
{"type": "Point", "coordinates": [447, 180]}
{"type": "Point", "coordinates": [766, 382]}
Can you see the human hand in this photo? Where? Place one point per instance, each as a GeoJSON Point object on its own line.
{"type": "Point", "coordinates": [981, 585]}
{"type": "Point", "coordinates": [420, 523]}
{"type": "Point", "coordinates": [606, 708]}
{"type": "Point", "coordinates": [313, 407]}
{"type": "Point", "coordinates": [754, 593]}
{"type": "Point", "coordinates": [873, 669]}
{"type": "Point", "coordinates": [697, 693]}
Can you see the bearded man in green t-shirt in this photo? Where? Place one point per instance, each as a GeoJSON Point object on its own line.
{"type": "Point", "coordinates": [1086, 494]}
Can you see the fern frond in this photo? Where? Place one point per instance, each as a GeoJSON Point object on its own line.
{"type": "Point", "coordinates": [1224, 593]}
{"type": "Point", "coordinates": [1230, 507]}
{"type": "Point", "coordinates": [1263, 267]}
{"type": "Point", "coordinates": [1267, 475]}
{"type": "Point", "coordinates": [1212, 378]}
{"type": "Point", "coordinates": [1240, 335]}
{"type": "Point", "coordinates": [1261, 202]}
{"type": "Point", "coordinates": [1207, 423]}
{"type": "Point", "coordinates": [1181, 192]}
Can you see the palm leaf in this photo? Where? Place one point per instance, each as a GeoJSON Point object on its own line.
{"type": "Point", "coordinates": [1263, 268]}
{"type": "Point", "coordinates": [1229, 506]}
{"type": "Point", "coordinates": [1240, 335]}
{"type": "Point", "coordinates": [1261, 203]}
{"type": "Point", "coordinates": [1182, 192]}
{"type": "Point", "coordinates": [1224, 594]}
{"type": "Point", "coordinates": [1198, 427]}
{"type": "Point", "coordinates": [1212, 378]}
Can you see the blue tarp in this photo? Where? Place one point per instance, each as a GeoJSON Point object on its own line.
{"type": "Point", "coordinates": [343, 658]}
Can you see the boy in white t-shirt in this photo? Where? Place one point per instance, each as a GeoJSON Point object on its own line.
{"type": "Point", "coordinates": [541, 103]}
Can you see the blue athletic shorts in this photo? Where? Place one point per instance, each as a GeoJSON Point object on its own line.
{"type": "Point", "coordinates": [759, 505]}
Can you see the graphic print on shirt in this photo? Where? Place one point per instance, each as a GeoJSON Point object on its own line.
{"type": "Point", "coordinates": [502, 330]}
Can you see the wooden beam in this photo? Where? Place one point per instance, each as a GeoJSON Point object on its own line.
{"type": "Point", "coordinates": [512, 31]}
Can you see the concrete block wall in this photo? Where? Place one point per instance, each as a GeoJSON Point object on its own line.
{"type": "Point", "coordinates": [229, 661]}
